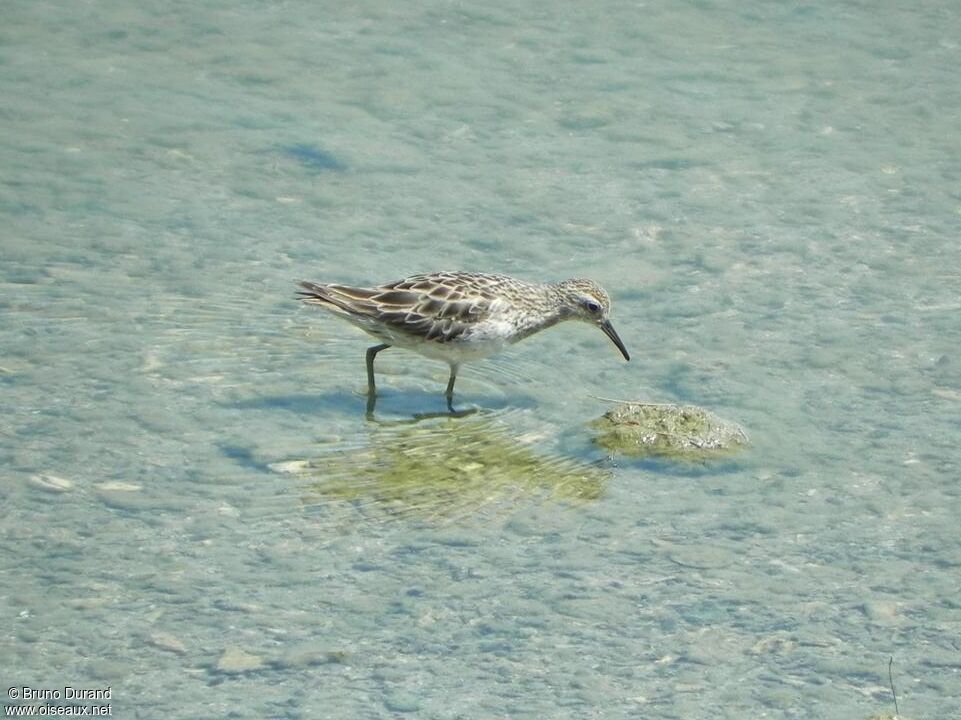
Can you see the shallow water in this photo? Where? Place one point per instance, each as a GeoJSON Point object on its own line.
{"type": "Point", "coordinates": [768, 191]}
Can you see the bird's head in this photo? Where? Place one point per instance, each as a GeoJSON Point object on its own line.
{"type": "Point", "coordinates": [587, 301]}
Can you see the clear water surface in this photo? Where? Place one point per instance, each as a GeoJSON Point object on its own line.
{"type": "Point", "coordinates": [196, 512]}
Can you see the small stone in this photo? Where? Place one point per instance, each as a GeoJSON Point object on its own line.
{"type": "Point", "coordinates": [947, 393]}
{"type": "Point", "coordinates": [290, 467]}
{"type": "Point", "coordinates": [307, 656]}
{"type": "Point", "coordinates": [50, 483]}
{"type": "Point", "coordinates": [127, 496]}
{"type": "Point", "coordinates": [338, 657]}
{"type": "Point", "coordinates": [231, 606]}
{"type": "Point", "coordinates": [773, 644]}
{"type": "Point", "coordinates": [236, 660]}
{"type": "Point", "coordinates": [880, 611]}
{"type": "Point", "coordinates": [166, 641]}
{"type": "Point", "coordinates": [111, 486]}
{"type": "Point", "coordinates": [402, 702]}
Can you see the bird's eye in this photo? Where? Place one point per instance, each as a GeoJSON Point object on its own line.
{"type": "Point", "coordinates": [592, 307]}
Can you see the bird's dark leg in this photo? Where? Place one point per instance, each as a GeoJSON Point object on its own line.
{"type": "Point", "coordinates": [371, 387]}
{"type": "Point", "coordinates": [449, 393]}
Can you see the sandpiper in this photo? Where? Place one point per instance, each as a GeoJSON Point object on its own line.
{"type": "Point", "coordinates": [460, 316]}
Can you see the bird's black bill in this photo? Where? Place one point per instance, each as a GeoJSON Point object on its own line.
{"type": "Point", "coordinates": [610, 332]}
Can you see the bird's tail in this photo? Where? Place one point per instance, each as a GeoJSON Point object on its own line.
{"type": "Point", "coordinates": [314, 294]}
{"type": "Point", "coordinates": [349, 300]}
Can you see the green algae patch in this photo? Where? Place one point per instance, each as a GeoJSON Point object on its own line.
{"type": "Point", "coordinates": [454, 467]}
{"type": "Point", "coordinates": [667, 431]}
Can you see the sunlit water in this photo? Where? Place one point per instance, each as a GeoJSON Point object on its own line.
{"type": "Point", "coordinates": [770, 193]}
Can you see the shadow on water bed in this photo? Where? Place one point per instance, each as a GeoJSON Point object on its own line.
{"type": "Point", "coordinates": [301, 403]}
{"type": "Point", "coordinates": [391, 405]}
{"type": "Point", "coordinates": [313, 158]}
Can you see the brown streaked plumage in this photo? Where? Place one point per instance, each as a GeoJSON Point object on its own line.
{"type": "Point", "coordinates": [460, 316]}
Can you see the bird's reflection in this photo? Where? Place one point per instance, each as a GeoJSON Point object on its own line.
{"type": "Point", "coordinates": [445, 467]}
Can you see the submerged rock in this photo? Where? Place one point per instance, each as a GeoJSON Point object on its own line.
{"type": "Point", "coordinates": [303, 656]}
{"type": "Point", "coordinates": [235, 660]}
{"type": "Point", "coordinates": [166, 641]}
{"type": "Point", "coordinates": [680, 432]}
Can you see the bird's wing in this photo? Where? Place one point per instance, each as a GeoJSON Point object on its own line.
{"type": "Point", "coordinates": [424, 307]}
